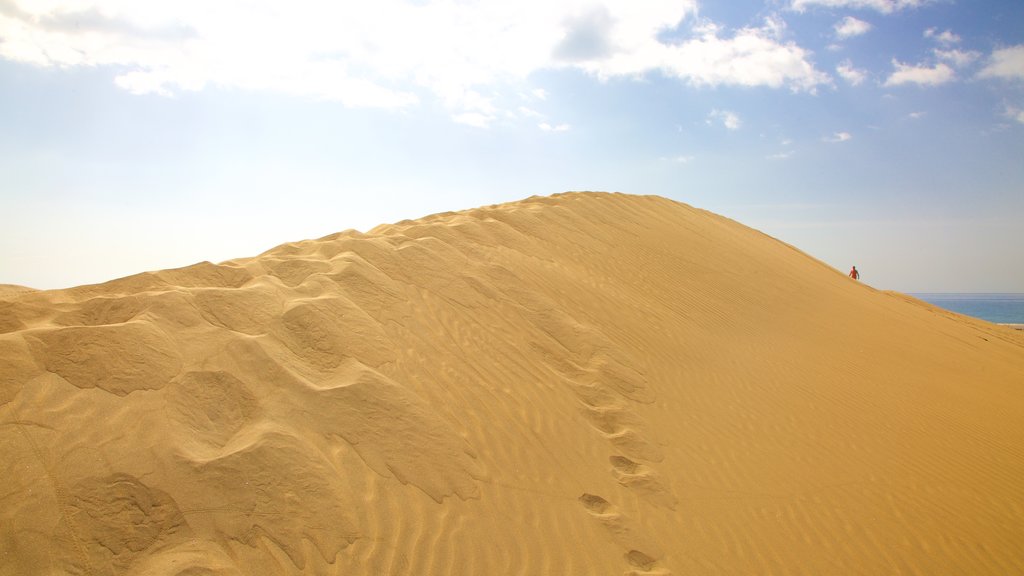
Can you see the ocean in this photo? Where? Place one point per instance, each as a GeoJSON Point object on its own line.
{"type": "Point", "coordinates": [999, 308]}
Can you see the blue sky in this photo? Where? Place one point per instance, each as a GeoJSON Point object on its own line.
{"type": "Point", "coordinates": [145, 135]}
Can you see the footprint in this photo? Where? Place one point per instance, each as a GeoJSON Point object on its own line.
{"type": "Point", "coordinates": [624, 465]}
{"type": "Point", "coordinates": [638, 559]}
{"type": "Point", "coordinates": [633, 443]}
{"type": "Point", "coordinates": [641, 552]}
{"type": "Point", "coordinates": [643, 481]}
{"type": "Point", "coordinates": [609, 420]}
{"type": "Point", "coordinates": [596, 504]}
{"type": "Point", "coordinates": [593, 394]}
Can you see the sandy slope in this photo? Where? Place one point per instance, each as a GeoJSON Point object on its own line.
{"type": "Point", "coordinates": [583, 384]}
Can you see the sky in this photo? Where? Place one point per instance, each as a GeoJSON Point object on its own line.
{"type": "Point", "coordinates": [142, 135]}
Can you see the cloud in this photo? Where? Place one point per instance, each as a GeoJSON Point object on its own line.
{"type": "Point", "coordinates": [916, 115]}
{"type": "Point", "coordinates": [958, 58]}
{"type": "Point", "coordinates": [852, 75]}
{"type": "Point", "coordinates": [954, 56]}
{"type": "Point", "coordinates": [395, 53]}
{"type": "Point", "coordinates": [556, 128]}
{"type": "Point", "coordinates": [728, 119]}
{"type": "Point", "coordinates": [588, 36]}
{"type": "Point", "coordinates": [947, 37]}
{"type": "Point", "coordinates": [1014, 113]}
{"type": "Point", "coordinates": [474, 119]}
{"type": "Point", "coordinates": [679, 159]}
{"type": "Point", "coordinates": [784, 155]}
{"type": "Point", "coordinates": [1006, 63]}
{"type": "Point", "coordinates": [168, 48]}
{"type": "Point", "coordinates": [883, 6]}
{"type": "Point", "coordinates": [849, 27]}
{"type": "Point", "coordinates": [754, 56]}
{"type": "Point", "coordinates": [838, 137]}
{"type": "Point", "coordinates": [941, 72]}
{"type": "Point", "coordinates": [526, 112]}
{"type": "Point", "coordinates": [921, 75]}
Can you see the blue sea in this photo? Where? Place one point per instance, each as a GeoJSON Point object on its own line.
{"type": "Point", "coordinates": [999, 308]}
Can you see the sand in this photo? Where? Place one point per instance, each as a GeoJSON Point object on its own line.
{"type": "Point", "coordinates": [579, 384]}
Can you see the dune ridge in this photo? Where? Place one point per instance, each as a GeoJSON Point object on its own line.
{"type": "Point", "coordinates": [586, 383]}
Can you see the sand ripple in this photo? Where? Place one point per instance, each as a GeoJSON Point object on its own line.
{"type": "Point", "coordinates": [583, 384]}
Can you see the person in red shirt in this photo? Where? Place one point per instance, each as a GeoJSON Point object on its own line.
{"type": "Point", "coordinates": [854, 274]}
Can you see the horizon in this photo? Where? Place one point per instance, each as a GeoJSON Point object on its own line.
{"type": "Point", "coordinates": [886, 134]}
{"type": "Point", "coordinates": [425, 216]}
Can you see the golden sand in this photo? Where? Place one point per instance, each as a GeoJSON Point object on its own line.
{"type": "Point", "coordinates": [586, 384]}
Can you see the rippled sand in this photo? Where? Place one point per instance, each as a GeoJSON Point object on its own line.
{"type": "Point", "coordinates": [579, 384]}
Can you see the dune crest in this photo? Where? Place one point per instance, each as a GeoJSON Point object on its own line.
{"type": "Point", "coordinates": [578, 384]}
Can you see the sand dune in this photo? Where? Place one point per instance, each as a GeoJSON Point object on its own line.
{"type": "Point", "coordinates": [581, 384]}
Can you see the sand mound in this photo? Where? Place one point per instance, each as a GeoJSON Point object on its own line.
{"type": "Point", "coordinates": [581, 384]}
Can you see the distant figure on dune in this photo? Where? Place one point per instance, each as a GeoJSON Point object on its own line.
{"type": "Point", "coordinates": [854, 274]}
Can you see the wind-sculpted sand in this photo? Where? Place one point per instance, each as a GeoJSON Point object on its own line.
{"type": "Point", "coordinates": [586, 384]}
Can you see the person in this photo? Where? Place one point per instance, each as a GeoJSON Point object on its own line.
{"type": "Point", "coordinates": [854, 274]}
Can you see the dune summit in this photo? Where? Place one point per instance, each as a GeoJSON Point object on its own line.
{"type": "Point", "coordinates": [580, 384]}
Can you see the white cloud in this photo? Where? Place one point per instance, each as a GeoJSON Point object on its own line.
{"type": "Point", "coordinates": [752, 57]}
{"type": "Point", "coordinates": [838, 137]}
{"type": "Point", "coordinates": [728, 119]}
{"type": "Point", "coordinates": [1005, 63]}
{"type": "Point", "coordinates": [922, 75]}
{"type": "Point", "coordinates": [916, 115]}
{"type": "Point", "coordinates": [393, 53]}
{"type": "Point", "coordinates": [474, 119]}
{"type": "Point", "coordinates": [883, 6]}
{"type": "Point", "coordinates": [526, 112]}
{"type": "Point", "coordinates": [941, 72]}
{"type": "Point", "coordinates": [947, 37]}
{"type": "Point", "coordinates": [556, 128]}
{"type": "Point", "coordinates": [958, 58]}
{"type": "Point", "coordinates": [784, 155]}
{"type": "Point", "coordinates": [588, 35]}
{"type": "Point", "coordinates": [539, 93]}
{"type": "Point", "coordinates": [849, 27]}
{"type": "Point", "coordinates": [1015, 113]}
{"type": "Point", "coordinates": [847, 72]}
{"type": "Point", "coordinates": [679, 159]}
